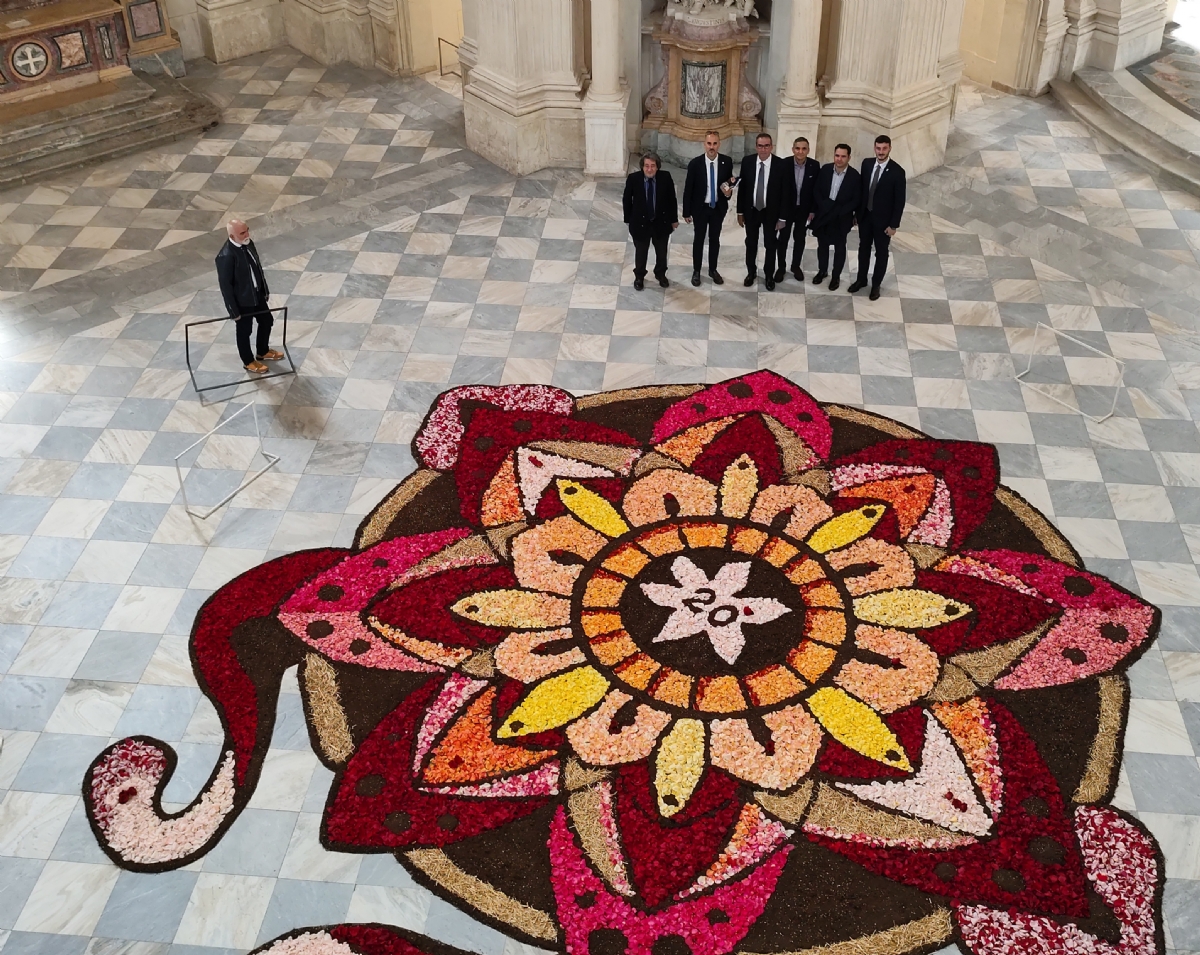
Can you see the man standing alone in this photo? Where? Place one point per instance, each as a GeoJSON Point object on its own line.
{"type": "Point", "coordinates": [880, 210]}
{"type": "Point", "coordinates": [760, 207]}
{"type": "Point", "coordinates": [837, 192]}
{"type": "Point", "coordinates": [244, 288]}
{"type": "Point", "coordinates": [799, 206]}
{"type": "Point", "coordinates": [706, 200]}
{"type": "Point", "coordinates": [652, 213]}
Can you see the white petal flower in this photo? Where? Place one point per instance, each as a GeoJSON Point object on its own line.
{"type": "Point", "coordinates": [712, 606]}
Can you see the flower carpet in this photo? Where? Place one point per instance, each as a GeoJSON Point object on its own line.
{"type": "Point", "coordinates": [689, 669]}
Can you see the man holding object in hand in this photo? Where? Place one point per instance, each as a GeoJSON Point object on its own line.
{"type": "Point", "coordinates": [706, 193]}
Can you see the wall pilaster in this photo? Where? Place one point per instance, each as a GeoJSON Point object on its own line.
{"type": "Point", "coordinates": [233, 28]}
{"type": "Point", "coordinates": [799, 112]}
{"type": "Point", "coordinates": [1126, 31]}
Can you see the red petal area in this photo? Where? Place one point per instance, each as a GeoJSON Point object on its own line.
{"type": "Point", "coordinates": [386, 940]}
{"type": "Point", "coordinates": [762, 391]}
{"type": "Point", "coordinates": [550, 505]}
{"type": "Point", "coordinates": [1002, 870]}
{"type": "Point", "coordinates": [493, 434]}
{"type": "Point", "coordinates": [439, 439]}
{"type": "Point", "coordinates": [971, 472]}
{"type": "Point", "coordinates": [748, 436]}
{"type": "Point", "coordinates": [422, 608]}
{"type": "Point", "coordinates": [888, 528]}
{"type": "Point", "coordinates": [666, 855]}
{"type": "Point", "coordinates": [1001, 613]}
{"type": "Point", "coordinates": [909, 727]}
{"type": "Point", "coordinates": [376, 806]}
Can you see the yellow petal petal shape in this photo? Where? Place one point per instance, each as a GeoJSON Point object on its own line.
{"type": "Point", "coordinates": [909, 609]}
{"type": "Point", "coordinates": [679, 766]}
{"type": "Point", "coordinates": [846, 528]}
{"type": "Point", "coordinates": [554, 702]}
{"type": "Point", "coordinates": [591, 508]}
{"type": "Point", "coordinates": [739, 485]}
{"type": "Point", "coordinates": [518, 609]}
{"type": "Point", "coordinates": [858, 727]}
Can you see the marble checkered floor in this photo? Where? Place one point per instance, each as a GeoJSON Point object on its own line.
{"type": "Point", "coordinates": [409, 264]}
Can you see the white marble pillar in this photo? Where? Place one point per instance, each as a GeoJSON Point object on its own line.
{"type": "Point", "coordinates": [1040, 52]}
{"type": "Point", "coordinates": [1126, 31]}
{"type": "Point", "coordinates": [799, 105]}
{"type": "Point", "coordinates": [521, 102]}
{"type": "Point", "coordinates": [883, 77]}
{"type": "Point", "coordinates": [606, 102]}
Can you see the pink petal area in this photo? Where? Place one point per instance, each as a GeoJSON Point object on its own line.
{"type": "Point", "coordinates": [741, 902]}
{"type": "Point", "coordinates": [351, 641]}
{"type": "Point", "coordinates": [542, 781]}
{"type": "Point", "coordinates": [456, 692]}
{"type": "Point", "coordinates": [754, 838]}
{"type": "Point", "coordinates": [762, 391]}
{"type": "Point", "coordinates": [1122, 866]}
{"type": "Point", "coordinates": [537, 470]}
{"type": "Point", "coordinates": [852, 475]}
{"type": "Point", "coordinates": [439, 437]}
{"type": "Point", "coordinates": [972, 567]}
{"type": "Point", "coordinates": [938, 522]}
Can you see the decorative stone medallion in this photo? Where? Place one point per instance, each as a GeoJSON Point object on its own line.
{"type": "Point", "coordinates": [29, 60]}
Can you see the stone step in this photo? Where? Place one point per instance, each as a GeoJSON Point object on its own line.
{"type": "Point", "coordinates": [1160, 145]}
{"type": "Point", "coordinates": [108, 130]}
{"type": "Point", "coordinates": [122, 95]}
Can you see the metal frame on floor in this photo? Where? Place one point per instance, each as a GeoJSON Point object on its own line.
{"type": "Point", "coordinates": [1082, 344]}
{"type": "Point", "coordinates": [187, 352]}
{"type": "Point", "coordinates": [271, 459]}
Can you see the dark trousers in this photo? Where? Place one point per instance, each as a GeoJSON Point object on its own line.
{"type": "Point", "coordinates": [798, 232]}
{"type": "Point", "coordinates": [642, 237]}
{"type": "Point", "coordinates": [706, 220]}
{"type": "Point", "coordinates": [243, 326]}
{"type": "Point", "coordinates": [838, 240]}
{"type": "Point", "coordinates": [763, 222]}
{"type": "Point", "coordinates": [871, 234]}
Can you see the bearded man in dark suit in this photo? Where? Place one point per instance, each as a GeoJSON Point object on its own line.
{"type": "Point", "coordinates": [706, 193]}
{"type": "Point", "coordinates": [880, 209]}
{"type": "Point", "coordinates": [244, 288]}
{"type": "Point", "coordinates": [837, 193]}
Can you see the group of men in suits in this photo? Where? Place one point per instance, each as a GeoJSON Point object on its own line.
{"type": "Point", "coordinates": [778, 200]}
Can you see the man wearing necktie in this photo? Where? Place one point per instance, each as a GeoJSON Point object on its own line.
{"type": "Point", "coordinates": [706, 194]}
{"type": "Point", "coordinates": [244, 288]}
{"type": "Point", "coordinates": [760, 208]}
{"type": "Point", "coordinates": [880, 209]}
{"type": "Point", "coordinates": [800, 205]}
{"type": "Point", "coordinates": [652, 213]}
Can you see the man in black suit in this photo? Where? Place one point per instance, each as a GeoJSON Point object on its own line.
{"type": "Point", "coordinates": [760, 207]}
{"type": "Point", "coordinates": [652, 213]}
{"type": "Point", "coordinates": [837, 193]}
{"type": "Point", "coordinates": [879, 212]}
{"type": "Point", "coordinates": [244, 288]}
{"type": "Point", "coordinates": [706, 194]}
{"type": "Point", "coordinates": [799, 191]}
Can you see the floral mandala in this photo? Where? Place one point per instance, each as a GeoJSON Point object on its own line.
{"type": "Point", "coordinates": [689, 670]}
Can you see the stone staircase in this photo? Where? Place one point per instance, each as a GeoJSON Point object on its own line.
{"type": "Point", "coordinates": [130, 114]}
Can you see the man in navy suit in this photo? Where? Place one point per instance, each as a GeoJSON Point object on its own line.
{"type": "Point", "coordinates": [837, 195]}
{"type": "Point", "coordinates": [706, 194]}
{"type": "Point", "coordinates": [880, 208]}
{"type": "Point", "coordinates": [800, 206]}
{"type": "Point", "coordinates": [760, 207]}
{"type": "Point", "coordinates": [652, 213]}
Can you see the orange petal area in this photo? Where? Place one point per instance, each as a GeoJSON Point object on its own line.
{"type": "Point", "coordinates": [720, 694]}
{"type": "Point", "coordinates": [888, 689]}
{"type": "Point", "coordinates": [808, 510]}
{"type": "Point", "coordinates": [596, 623]}
{"type": "Point", "coordinates": [773, 684]}
{"type": "Point", "coordinates": [804, 571]}
{"type": "Point", "coordinates": [909, 496]}
{"type": "Point", "coordinates": [611, 648]}
{"type": "Point", "coordinates": [672, 687]}
{"type": "Point", "coordinates": [688, 495]}
{"type": "Point", "coordinates": [519, 654]}
{"type": "Point", "coordinates": [747, 540]}
{"type": "Point", "coordinates": [532, 551]}
{"type": "Point", "coordinates": [638, 670]}
{"type": "Point", "coordinates": [604, 590]}
{"type": "Point", "coordinates": [778, 552]}
{"type": "Point", "coordinates": [970, 725]}
{"type": "Point", "coordinates": [686, 446]}
{"type": "Point", "coordinates": [705, 535]}
{"type": "Point", "coordinates": [796, 737]}
{"type": "Point", "coordinates": [467, 753]}
{"type": "Point", "coordinates": [616, 732]}
{"type": "Point", "coordinates": [502, 499]}
{"type": "Point", "coordinates": [627, 560]}
{"type": "Point", "coordinates": [665, 541]}
{"type": "Point", "coordinates": [425, 649]}
{"type": "Point", "coordinates": [823, 594]}
{"type": "Point", "coordinates": [893, 566]}
{"type": "Point", "coordinates": [518, 609]}
{"type": "Point", "coordinates": [826, 626]}
{"type": "Point", "coordinates": [811, 660]}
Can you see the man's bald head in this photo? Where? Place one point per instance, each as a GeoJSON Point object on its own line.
{"type": "Point", "coordinates": [238, 231]}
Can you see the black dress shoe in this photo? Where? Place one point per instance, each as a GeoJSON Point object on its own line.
{"type": "Point", "coordinates": [662, 280]}
{"type": "Point", "coordinates": [819, 278]}
{"type": "Point", "coordinates": [749, 280]}
{"type": "Point", "coordinates": [639, 284]}
{"type": "Point", "coordinates": [770, 283]}
{"type": "Point", "coordinates": [874, 293]}
{"type": "Point", "coordinates": [779, 274]}
{"type": "Point", "coordinates": [856, 286]}
{"type": "Point", "coordinates": [834, 283]}
{"type": "Point", "coordinates": [716, 277]}
{"type": "Point", "coordinates": [799, 274]}
{"type": "Point", "coordinates": [696, 279]}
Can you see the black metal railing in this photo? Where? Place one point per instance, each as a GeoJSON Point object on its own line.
{"type": "Point", "coordinates": [187, 351]}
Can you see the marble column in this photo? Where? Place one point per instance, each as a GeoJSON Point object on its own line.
{"type": "Point", "coordinates": [1040, 52]}
{"type": "Point", "coordinates": [883, 77]}
{"type": "Point", "coordinates": [331, 31]}
{"type": "Point", "coordinates": [799, 104]}
{"type": "Point", "coordinates": [1126, 31]}
{"type": "Point", "coordinates": [607, 100]}
{"type": "Point", "coordinates": [522, 103]}
{"type": "Point", "coordinates": [233, 28]}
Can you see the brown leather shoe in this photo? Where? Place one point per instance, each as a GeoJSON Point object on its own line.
{"type": "Point", "coordinates": [257, 368]}
{"type": "Point", "coordinates": [272, 355]}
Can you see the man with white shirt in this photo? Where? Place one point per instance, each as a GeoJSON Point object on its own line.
{"type": "Point", "coordinates": [799, 203]}
{"type": "Point", "coordinates": [837, 192]}
{"type": "Point", "coordinates": [244, 288]}
{"type": "Point", "coordinates": [760, 207]}
{"type": "Point", "coordinates": [706, 194]}
{"type": "Point", "coordinates": [880, 209]}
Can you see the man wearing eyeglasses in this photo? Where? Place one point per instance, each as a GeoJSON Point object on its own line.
{"type": "Point", "coordinates": [760, 208]}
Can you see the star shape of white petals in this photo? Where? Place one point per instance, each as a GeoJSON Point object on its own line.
{"type": "Point", "coordinates": [712, 606]}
